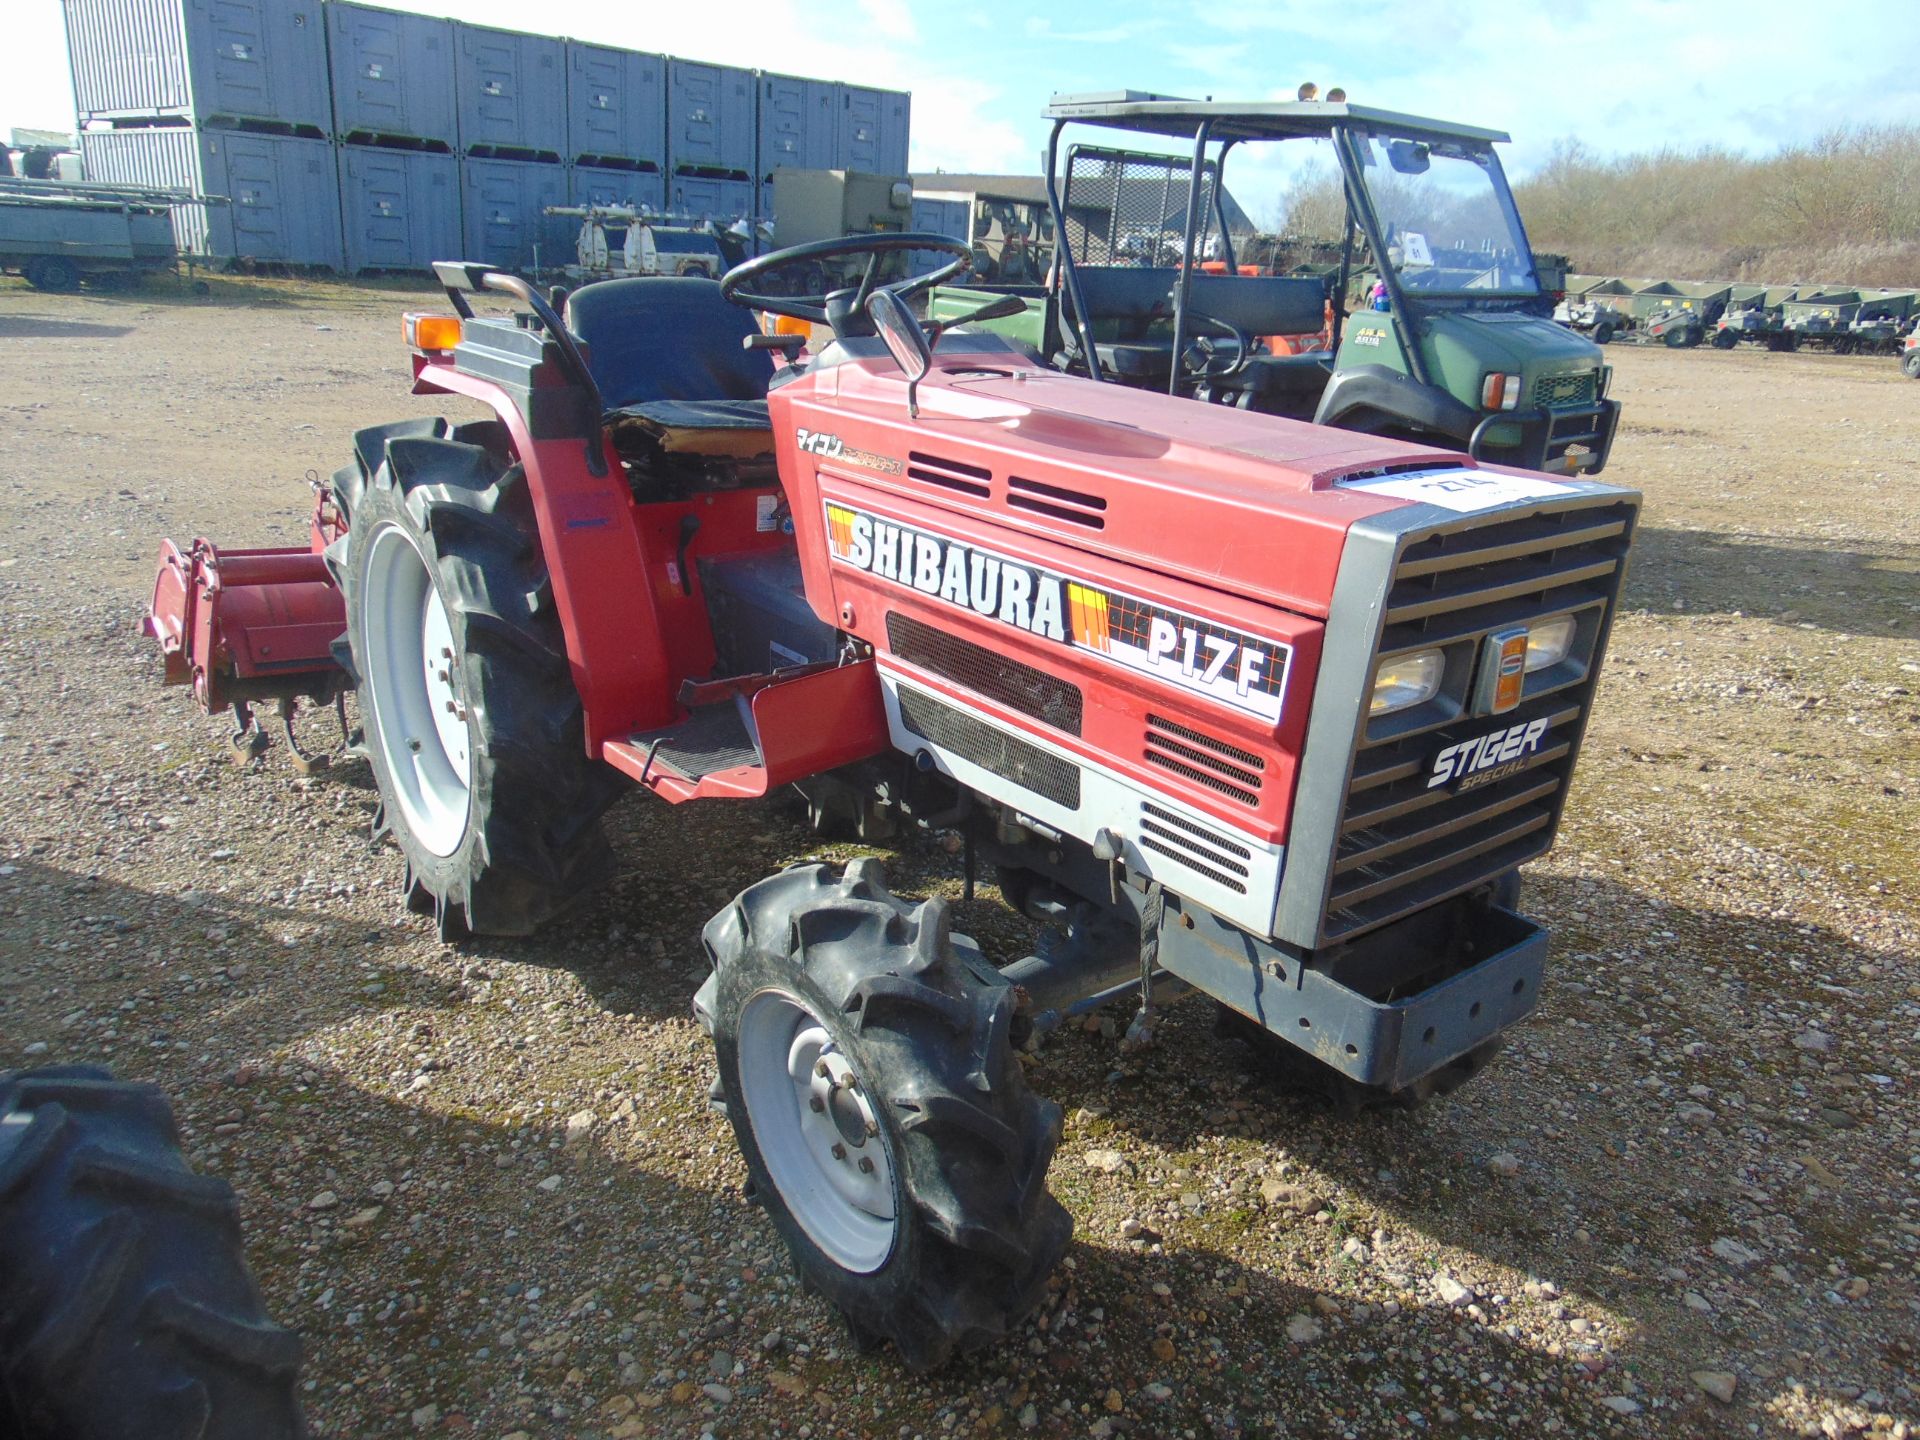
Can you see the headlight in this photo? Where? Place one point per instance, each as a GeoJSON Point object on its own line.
{"type": "Point", "coordinates": [1406, 681]}
{"type": "Point", "coordinates": [1500, 392]}
{"type": "Point", "coordinates": [1549, 643]}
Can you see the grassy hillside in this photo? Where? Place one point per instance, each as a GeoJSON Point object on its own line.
{"type": "Point", "coordinates": [1844, 209]}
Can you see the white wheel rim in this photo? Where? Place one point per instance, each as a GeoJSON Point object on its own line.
{"type": "Point", "coordinates": [419, 711]}
{"type": "Point", "coordinates": [817, 1132]}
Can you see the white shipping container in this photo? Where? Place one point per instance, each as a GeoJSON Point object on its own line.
{"type": "Point", "coordinates": [224, 61]}
{"type": "Point", "coordinates": [283, 191]}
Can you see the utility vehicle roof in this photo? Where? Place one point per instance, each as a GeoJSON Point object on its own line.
{"type": "Point", "coordinates": [1150, 114]}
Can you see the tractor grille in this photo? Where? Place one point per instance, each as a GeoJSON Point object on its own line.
{"type": "Point", "coordinates": [1201, 758]}
{"type": "Point", "coordinates": [1204, 851]}
{"type": "Point", "coordinates": [1017, 686]}
{"type": "Point", "coordinates": [1582, 389]}
{"type": "Point", "coordinates": [1007, 756]}
{"type": "Point", "coordinates": [1402, 844]}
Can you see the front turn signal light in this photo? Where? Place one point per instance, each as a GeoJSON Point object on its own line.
{"type": "Point", "coordinates": [428, 333]}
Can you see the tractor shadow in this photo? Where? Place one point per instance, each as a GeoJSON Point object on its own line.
{"type": "Point", "coordinates": [187, 969]}
{"type": "Point", "coordinates": [1849, 591]}
{"type": "Point", "coordinates": [1617, 1199]}
{"type": "Point", "coordinates": [40, 327]}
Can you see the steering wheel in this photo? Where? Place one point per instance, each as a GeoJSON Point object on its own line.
{"type": "Point", "coordinates": [844, 310]}
{"type": "Point", "coordinates": [1203, 360]}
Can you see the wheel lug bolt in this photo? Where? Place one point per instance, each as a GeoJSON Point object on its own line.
{"type": "Point", "coordinates": [816, 1104]}
{"type": "Point", "coordinates": [839, 1151]}
{"type": "Point", "coordinates": [866, 1165]}
{"type": "Point", "coordinates": [872, 1129]}
{"type": "Point", "coordinates": [823, 1071]}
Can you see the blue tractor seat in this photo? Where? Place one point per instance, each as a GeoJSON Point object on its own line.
{"type": "Point", "coordinates": [668, 352]}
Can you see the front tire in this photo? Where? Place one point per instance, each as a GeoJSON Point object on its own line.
{"type": "Point", "coordinates": [869, 1073]}
{"type": "Point", "coordinates": [126, 1305]}
{"type": "Point", "coordinates": [473, 727]}
{"type": "Point", "coordinates": [1910, 364]}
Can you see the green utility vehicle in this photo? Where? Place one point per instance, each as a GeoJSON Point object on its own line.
{"type": "Point", "coordinates": [1448, 338]}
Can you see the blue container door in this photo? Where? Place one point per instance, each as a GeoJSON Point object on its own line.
{"type": "Point", "coordinates": [392, 74]}
{"type": "Point", "coordinates": [504, 204]}
{"type": "Point", "coordinates": [722, 201]}
{"type": "Point", "coordinates": [512, 90]}
{"type": "Point", "coordinates": [872, 131]}
{"type": "Point", "coordinates": [630, 189]}
{"type": "Point", "coordinates": [399, 210]}
{"type": "Point", "coordinates": [796, 124]}
{"type": "Point", "coordinates": [939, 217]}
{"type": "Point", "coordinates": [285, 194]}
{"type": "Point", "coordinates": [616, 104]}
{"type": "Point", "coordinates": [259, 60]}
{"type": "Point", "coordinates": [710, 123]}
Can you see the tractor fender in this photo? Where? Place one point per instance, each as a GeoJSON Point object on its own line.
{"type": "Point", "coordinates": [1376, 388]}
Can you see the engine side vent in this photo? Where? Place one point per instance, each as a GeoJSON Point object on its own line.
{"type": "Point", "coordinates": [1007, 756]}
{"type": "Point", "coordinates": [1076, 507]}
{"type": "Point", "coordinates": [1016, 685]}
{"type": "Point", "coordinates": [1193, 845]}
{"type": "Point", "coordinates": [1204, 759]}
{"type": "Point", "coordinates": [949, 474]}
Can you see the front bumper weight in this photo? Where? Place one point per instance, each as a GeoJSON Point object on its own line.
{"type": "Point", "coordinates": [1388, 1043]}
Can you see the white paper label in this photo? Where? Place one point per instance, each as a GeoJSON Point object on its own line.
{"type": "Point", "coordinates": [1462, 491]}
{"type": "Point", "coordinates": [766, 513]}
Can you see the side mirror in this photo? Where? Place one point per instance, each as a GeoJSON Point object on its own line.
{"type": "Point", "coordinates": [906, 341]}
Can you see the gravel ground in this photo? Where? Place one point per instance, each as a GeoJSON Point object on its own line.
{"type": "Point", "coordinates": [482, 1181]}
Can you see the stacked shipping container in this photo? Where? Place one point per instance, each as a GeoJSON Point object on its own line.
{"type": "Point", "coordinates": [395, 111]}
{"type": "Point", "coordinates": [354, 137]}
{"type": "Point", "coordinates": [218, 98]}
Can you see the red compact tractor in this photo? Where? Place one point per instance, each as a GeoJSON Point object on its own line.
{"type": "Point", "coordinates": [1234, 703]}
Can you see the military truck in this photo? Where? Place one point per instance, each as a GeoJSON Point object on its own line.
{"type": "Point", "coordinates": [1447, 346]}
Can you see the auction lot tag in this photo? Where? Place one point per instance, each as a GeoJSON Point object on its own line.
{"type": "Point", "coordinates": [1462, 491]}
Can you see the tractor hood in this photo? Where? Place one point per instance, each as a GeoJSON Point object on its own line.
{"type": "Point", "coordinates": [1249, 504]}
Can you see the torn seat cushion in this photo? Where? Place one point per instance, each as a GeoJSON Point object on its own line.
{"type": "Point", "coordinates": [738, 429]}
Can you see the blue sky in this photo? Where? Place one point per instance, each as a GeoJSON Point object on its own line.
{"type": "Point", "coordinates": [1619, 75]}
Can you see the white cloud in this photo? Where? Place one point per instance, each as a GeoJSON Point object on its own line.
{"type": "Point", "coordinates": [892, 18]}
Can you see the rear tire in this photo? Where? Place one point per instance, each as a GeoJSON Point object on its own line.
{"type": "Point", "coordinates": [1910, 364]}
{"type": "Point", "coordinates": [870, 1077]}
{"type": "Point", "coordinates": [1725, 339]}
{"type": "Point", "coordinates": [54, 274]}
{"type": "Point", "coordinates": [1602, 334]}
{"type": "Point", "coordinates": [127, 1308]}
{"type": "Point", "coordinates": [473, 727]}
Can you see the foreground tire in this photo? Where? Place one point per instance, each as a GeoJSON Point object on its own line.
{"type": "Point", "coordinates": [126, 1306]}
{"type": "Point", "coordinates": [869, 1073]}
{"type": "Point", "coordinates": [1910, 364]}
{"type": "Point", "coordinates": [1725, 339]}
{"type": "Point", "coordinates": [473, 727]}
